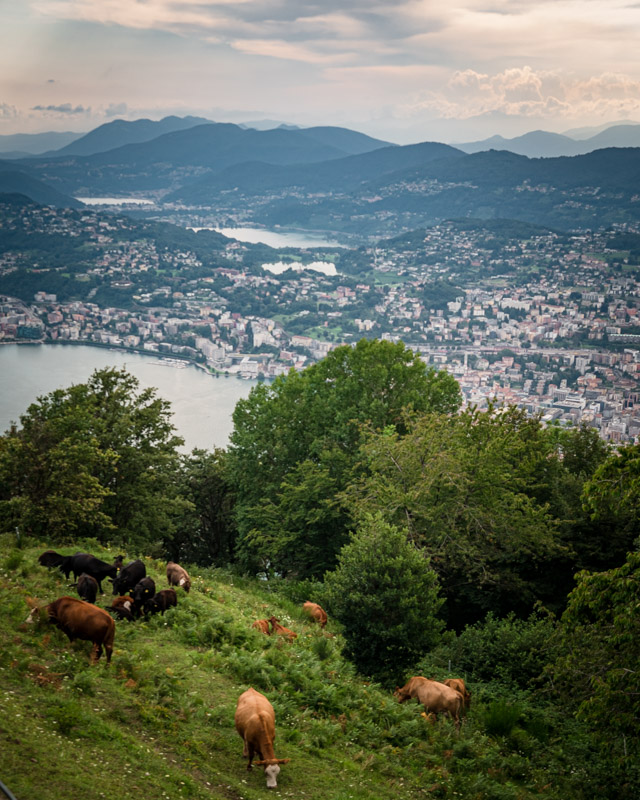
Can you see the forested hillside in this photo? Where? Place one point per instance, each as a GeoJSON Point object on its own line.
{"type": "Point", "coordinates": [442, 542]}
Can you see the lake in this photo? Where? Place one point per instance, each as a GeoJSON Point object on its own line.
{"type": "Point", "coordinates": [202, 405]}
{"type": "Point", "coordinates": [115, 201]}
{"type": "Point", "coordinates": [275, 238]}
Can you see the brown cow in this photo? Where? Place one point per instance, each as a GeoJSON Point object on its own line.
{"type": "Point", "coordinates": [316, 612]}
{"type": "Point", "coordinates": [80, 620]}
{"type": "Point", "coordinates": [434, 696]}
{"type": "Point", "coordinates": [178, 576]}
{"type": "Point", "coordinates": [262, 625]}
{"type": "Point", "coordinates": [123, 607]}
{"type": "Point", "coordinates": [459, 686]}
{"type": "Point", "coordinates": [256, 723]}
{"type": "Point", "coordinates": [280, 630]}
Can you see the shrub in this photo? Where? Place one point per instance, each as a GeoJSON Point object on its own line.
{"type": "Point", "coordinates": [391, 585]}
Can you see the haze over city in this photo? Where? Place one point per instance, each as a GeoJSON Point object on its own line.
{"type": "Point", "coordinates": [406, 71]}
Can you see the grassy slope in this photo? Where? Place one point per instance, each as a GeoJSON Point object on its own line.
{"type": "Point", "coordinates": [158, 722]}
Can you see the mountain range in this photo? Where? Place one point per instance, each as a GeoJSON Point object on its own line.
{"type": "Point", "coordinates": [334, 178]}
{"type": "Point", "coordinates": [542, 144]}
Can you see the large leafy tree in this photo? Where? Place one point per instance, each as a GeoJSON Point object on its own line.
{"type": "Point", "coordinates": [385, 594]}
{"type": "Point", "coordinates": [598, 673]}
{"type": "Point", "coordinates": [205, 531]}
{"type": "Point", "coordinates": [295, 446]}
{"type": "Point", "coordinates": [98, 458]}
{"type": "Point", "coordinates": [464, 487]}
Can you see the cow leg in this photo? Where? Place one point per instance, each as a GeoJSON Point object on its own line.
{"type": "Point", "coordinates": [108, 649]}
{"type": "Point", "coordinates": [96, 652]}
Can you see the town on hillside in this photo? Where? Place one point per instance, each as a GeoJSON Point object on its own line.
{"type": "Point", "coordinates": [518, 314]}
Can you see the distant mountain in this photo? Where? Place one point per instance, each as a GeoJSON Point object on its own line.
{"type": "Point", "coordinates": [170, 160]}
{"type": "Point", "coordinates": [593, 130]}
{"type": "Point", "coordinates": [35, 143]}
{"type": "Point", "coordinates": [536, 144]}
{"type": "Point", "coordinates": [542, 144]}
{"type": "Point", "coordinates": [339, 175]}
{"type": "Point", "coordinates": [13, 181]}
{"type": "Point", "coordinates": [120, 132]}
{"type": "Point", "coordinates": [268, 124]}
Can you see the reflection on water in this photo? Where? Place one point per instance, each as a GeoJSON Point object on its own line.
{"type": "Point", "coordinates": [325, 267]}
{"type": "Point", "coordinates": [275, 238]}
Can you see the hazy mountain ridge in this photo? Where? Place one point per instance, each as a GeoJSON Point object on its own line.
{"type": "Point", "coordinates": [35, 143]}
{"type": "Point", "coordinates": [543, 144]}
{"type": "Point", "coordinates": [120, 132]}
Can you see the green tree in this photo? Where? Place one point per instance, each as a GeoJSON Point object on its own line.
{"type": "Point", "coordinates": [206, 532]}
{"type": "Point", "coordinates": [104, 451]}
{"type": "Point", "coordinates": [463, 486]}
{"type": "Point", "coordinates": [612, 498]}
{"type": "Point", "coordinates": [600, 637]}
{"type": "Point", "coordinates": [308, 425]}
{"type": "Point", "coordinates": [385, 594]}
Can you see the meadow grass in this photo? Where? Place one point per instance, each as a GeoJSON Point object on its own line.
{"type": "Point", "coordinates": [158, 721]}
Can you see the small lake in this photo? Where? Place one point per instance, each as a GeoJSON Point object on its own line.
{"type": "Point", "coordinates": [325, 267]}
{"type": "Point", "coordinates": [115, 201]}
{"type": "Point", "coordinates": [202, 405]}
{"type": "Point", "coordinates": [275, 238]}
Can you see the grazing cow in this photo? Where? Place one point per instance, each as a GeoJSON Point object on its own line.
{"type": "Point", "coordinates": [262, 625]}
{"type": "Point", "coordinates": [80, 620]}
{"type": "Point", "coordinates": [85, 562]}
{"type": "Point", "coordinates": [435, 697]}
{"type": "Point", "coordinates": [178, 576]}
{"type": "Point", "coordinates": [117, 562]}
{"type": "Point", "coordinates": [161, 601]}
{"type": "Point", "coordinates": [316, 612]}
{"type": "Point", "coordinates": [280, 630]}
{"type": "Point", "coordinates": [87, 588]}
{"type": "Point", "coordinates": [122, 607]}
{"type": "Point", "coordinates": [143, 590]}
{"type": "Point", "coordinates": [459, 686]}
{"type": "Point", "coordinates": [256, 723]}
{"type": "Point", "coordinates": [129, 576]}
{"type": "Point", "coordinates": [51, 559]}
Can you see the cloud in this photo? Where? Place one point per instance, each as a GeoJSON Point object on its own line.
{"type": "Point", "coordinates": [8, 111]}
{"type": "Point", "coordinates": [116, 110]}
{"type": "Point", "coordinates": [63, 108]}
{"type": "Point", "coordinates": [522, 91]}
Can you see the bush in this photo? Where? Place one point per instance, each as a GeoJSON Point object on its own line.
{"type": "Point", "coordinates": [510, 651]}
{"type": "Point", "coordinates": [390, 585]}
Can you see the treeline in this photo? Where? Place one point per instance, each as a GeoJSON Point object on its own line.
{"type": "Point", "coordinates": [432, 534]}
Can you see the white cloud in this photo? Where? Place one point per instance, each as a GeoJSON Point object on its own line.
{"type": "Point", "coordinates": [522, 91]}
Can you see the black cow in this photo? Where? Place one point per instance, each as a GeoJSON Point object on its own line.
{"type": "Point", "coordinates": [87, 588]}
{"type": "Point", "coordinates": [128, 577]}
{"type": "Point", "coordinates": [142, 591]}
{"type": "Point", "coordinates": [84, 562]}
{"type": "Point", "coordinates": [161, 601]}
{"type": "Point", "coordinates": [117, 562]}
{"type": "Point", "coordinates": [51, 559]}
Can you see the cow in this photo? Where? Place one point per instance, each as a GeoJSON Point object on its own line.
{"type": "Point", "coordinates": [315, 612]}
{"type": "Point", "coordinates": [255, 721]}
{"type": "Point", "coordinates": [122, 607]}
{"type": "Point", "coordinates": [134, 572]}
{"type": "Point", "coordinates": [178, 576]}
{"type": "Point", "coordinates": [85, 562]}
{"type": "Point", "coordinates": [459, 686]}
{"type": "Point", "coordinates": [161, 601]}
{"type": "Point", "coordinates": [51, 559]}
{"type": "Point", "coordinates": [117, 562]}
{"type": "Point", "coordinates": [80, 620]}
{"type": "Point", "coordinates": [87, 588]}
{"type": "Point", "coordinates": [434, 696]}
{"type": "Point", "coordinates": [280, 630]}
{"type": "Point", "coordinates": [143, 590]}
{"type": "Point", "coordinates": [262, 625]}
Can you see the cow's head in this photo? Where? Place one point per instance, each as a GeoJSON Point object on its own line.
{"type": "Point", "coordinates": [34, 613]}
{"type": "Point", "coordinates": [272, 769]}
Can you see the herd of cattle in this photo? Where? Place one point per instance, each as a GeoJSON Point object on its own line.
{"type": "Point", "coordinates": [254, 716]}
{"type": "Point", "coordinates": [82, 619]}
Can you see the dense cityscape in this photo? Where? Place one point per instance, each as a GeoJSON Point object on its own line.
{"type": "Point", "coordinates": [518, 314]}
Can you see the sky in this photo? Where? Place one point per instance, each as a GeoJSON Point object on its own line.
{"type": "Point", "coordinates": [422, 70]}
